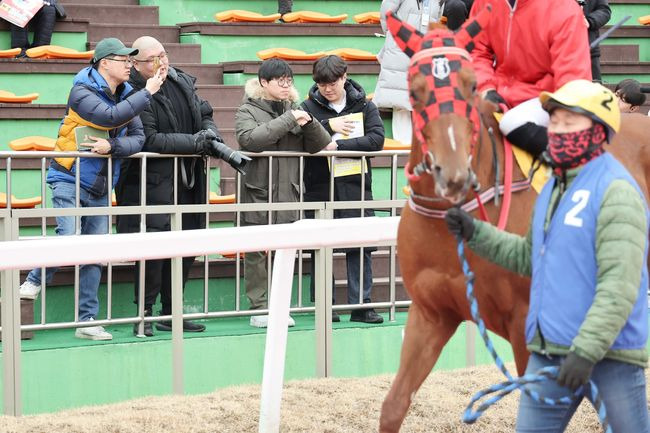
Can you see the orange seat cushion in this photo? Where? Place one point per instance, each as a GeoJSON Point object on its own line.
{"type": "Point", "coordinates": [221, 199]}
{"type": "Point", "coordinates": [17, 99]}
{"type": "Point", "coordinates": [238, 15]}
{"type": "Point", "coordinates": [9, 53]}
{"type": "Point", "coordinates": [644, 20]}
{"type": "Point", "coordinates": [313, 17]}
{"type": "Point", "coordinates": [353, 54]}
{"type": "Point", "coordinates": [390, 144]}
{"type": "Point", "coordinates": [367, 18]}
{"type": "Point", "coordinates": [19, 203]}
{"type": "Point", "coordinates": [32, 142]}
{"type": "Point", "coordinates": [288, 54]}
{"type": "Point", "coordinates": [57, 52]}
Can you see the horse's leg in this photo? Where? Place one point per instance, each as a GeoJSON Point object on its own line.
{"type": "Point", "coordinates": [517, 337]}
{"type": "Point", "coordinates": [424, 338]}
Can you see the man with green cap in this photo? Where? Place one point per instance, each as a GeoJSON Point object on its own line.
{"type": "Point", "coordinates": [98, 101]}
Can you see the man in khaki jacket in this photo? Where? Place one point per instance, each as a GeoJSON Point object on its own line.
{"type": "Point", "coordinates": [269, 120]}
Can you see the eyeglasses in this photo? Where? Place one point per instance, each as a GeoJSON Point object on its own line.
{"type": "Point", "coordinates": [160, 56]}
{"type": "Point", "coordinates": [126, 62]}
{"type": "Point", "coordinates": [284, 82]}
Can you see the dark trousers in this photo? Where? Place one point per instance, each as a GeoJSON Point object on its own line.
{"type": "Point", "coordinates": [284, 6]}
{"type": "Point", "coordinates": [42, 24]}
{"type": "Point", "coordinates": [595, 69]}
{"type": "Point", "coordinates": [352, 261]}
{"type": "Point", "coordinates": [158, 280]}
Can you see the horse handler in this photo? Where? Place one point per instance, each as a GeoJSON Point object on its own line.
{"type": "Point", "coordinates": [586, 249]}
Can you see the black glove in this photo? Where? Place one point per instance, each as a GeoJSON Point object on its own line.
{"type": "Point", "coordinates": [493, 96]}
{"type": "Point", "coordinates": [202, 140]}
{"type": "Point", "coordinates": [460, 223]}
{"type": "Point", "coordinates": [574, 372]}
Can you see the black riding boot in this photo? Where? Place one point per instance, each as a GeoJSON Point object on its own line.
{"type": "Point", "coordinates": [148, 328]}
{"type": "Point", "coordinates": [530, 137]}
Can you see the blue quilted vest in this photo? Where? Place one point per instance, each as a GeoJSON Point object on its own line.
{"type": "Point", "coordinates": [564, 260]}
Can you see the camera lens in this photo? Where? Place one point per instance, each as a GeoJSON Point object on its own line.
{"type": "Point", "coordinates": [236, 159]}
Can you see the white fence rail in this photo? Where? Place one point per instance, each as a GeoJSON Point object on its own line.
{"type": "Point", "coordinates": [304, 234]}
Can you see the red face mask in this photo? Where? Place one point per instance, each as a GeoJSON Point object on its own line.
{"type": "Point", "coordinates": [573, 149]}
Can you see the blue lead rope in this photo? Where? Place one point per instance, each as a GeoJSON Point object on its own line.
{"type": "Point", "coordinates": [502, 389]}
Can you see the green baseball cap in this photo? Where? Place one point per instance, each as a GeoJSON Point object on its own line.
{"type": "Point", "coordinates": [114, 46]}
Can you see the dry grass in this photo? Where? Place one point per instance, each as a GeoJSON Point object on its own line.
{"type": "Point", "coordinates": [316, 405]}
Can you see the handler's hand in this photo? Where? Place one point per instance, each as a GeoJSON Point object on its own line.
{"type": "Point", "coordinates": [460, 223]}
{"type": "Point", "coordinates": [575, 371]}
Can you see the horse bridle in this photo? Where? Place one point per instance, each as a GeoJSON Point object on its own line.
{"type": "Point", "coordinates": [433, 110]}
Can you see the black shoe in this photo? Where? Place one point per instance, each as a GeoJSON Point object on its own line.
{"type": "Point", "coordinates": [366, 316]}
{"type": "Point", "coordinates": [148, 329]}
{"type": "Point", "coordinates": [335, 317]}
{"type": "Point", "coordinates": [187, 326]}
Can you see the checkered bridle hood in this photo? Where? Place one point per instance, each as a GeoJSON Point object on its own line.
{"type": "Point", "coordinates": [438, 55]}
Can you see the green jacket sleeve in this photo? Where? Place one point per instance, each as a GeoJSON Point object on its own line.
{"type": "Point", "coordinates": [621, 237]}
{"type": "Point", "coordinates": [508, 250]}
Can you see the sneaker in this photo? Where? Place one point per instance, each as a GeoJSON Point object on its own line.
{"type": "Point", "coordinates": [93, 333]}
{"type": "Point", "coordinates": [263, 321]}
{"type": "Point", "coordinates": [29, 290]}
{"type": "Point", "coordinates": [366, 316]}
{"type": "Point", "coordinates": [335, 317]}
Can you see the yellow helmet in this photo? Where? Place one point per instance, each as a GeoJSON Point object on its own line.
{"type": "Point", "coordinates": [591, 99]}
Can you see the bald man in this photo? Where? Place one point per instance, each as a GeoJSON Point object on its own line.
{"type": "Point", "coordinates": [176, 122]}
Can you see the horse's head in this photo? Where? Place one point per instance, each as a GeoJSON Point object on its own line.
{"type": "Point", "coordinates": [442, 89]}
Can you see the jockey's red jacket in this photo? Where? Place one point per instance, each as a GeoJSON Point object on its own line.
{"type": "Point", "coordinates": [534, 46]}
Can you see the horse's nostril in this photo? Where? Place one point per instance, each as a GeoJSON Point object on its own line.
{"type": "Point", "coordinates": [437, 170]}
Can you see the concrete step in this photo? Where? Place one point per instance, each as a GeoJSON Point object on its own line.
{"type": "Point", "coordinates": [131, 32]}
{"type": "Point", "coordinates": [183, 53]}
{"type": "Point", "coordinates": [224, 117]}
{"type": "Point", "coordinates": [619, 53]}
{"type": "Point", "coordinates": [221, 95]}
{"type": "Point", "coordinates": [113, 13]}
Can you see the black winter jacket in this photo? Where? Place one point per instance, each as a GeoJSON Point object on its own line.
{"type": "Point", "coordinates": [162, 136]}
{"type": "Point", "coordinates": [597, 13]}
{"type": "Point", "coordinates": [317, 174]}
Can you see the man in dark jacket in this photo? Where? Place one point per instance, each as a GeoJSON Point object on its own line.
{"type": "Point", "coordinates": [269, 120]}
{"type": "Point", "coordinates": [102, 102]}
{"type": "Point", "coordinates": [597, 13]}
{"type": "Point", "coordinates": [177, 122]}
{"type": "Point", "coordinates": [331, 100]}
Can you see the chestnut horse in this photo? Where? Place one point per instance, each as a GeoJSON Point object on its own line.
{"type": "Point", "coordinates": [451, 152]}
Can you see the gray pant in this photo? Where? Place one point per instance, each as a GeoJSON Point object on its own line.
{"type": "Point", "coordinates": [256, 279]}
{"type": "Point", "coordinates": [284, 6]}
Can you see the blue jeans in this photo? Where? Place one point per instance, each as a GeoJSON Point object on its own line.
{"type": "Point", "coordinates": [63, 196]}
{"type": "Point", "coordinates": [621, 386]}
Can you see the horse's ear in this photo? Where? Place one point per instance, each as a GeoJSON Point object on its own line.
{"type": "Point", "coordinates": [470, 29]}
{"type": "Point", "coordinates": [407, 37]}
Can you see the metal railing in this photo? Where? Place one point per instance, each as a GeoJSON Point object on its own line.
{"type": "Point", "coordinates": [10, 223]}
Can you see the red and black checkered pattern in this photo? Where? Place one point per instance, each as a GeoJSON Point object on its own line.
{"type": "Point", "coordinates": [438, 56]}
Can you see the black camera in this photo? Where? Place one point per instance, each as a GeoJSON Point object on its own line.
{"type": "Point", "coordinates": [237, 160]}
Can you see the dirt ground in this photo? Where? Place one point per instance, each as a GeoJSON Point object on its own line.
{"type": "Point", "coordinates": [315, 405]}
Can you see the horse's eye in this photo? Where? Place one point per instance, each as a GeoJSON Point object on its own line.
{"type": "Point", "coordinates": [473, 87]}
{"type": "Point", "coordinates": [413, 96]}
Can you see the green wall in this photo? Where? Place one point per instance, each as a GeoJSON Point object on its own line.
{"type": "Point", "coordinates": [76, 41]}
{"type": "Point", "coordinates": [226, 48]}
{"type": "Point", "coordinates": [69, 372]}
{"type": "Point", "coordinates": [52, 88]}
{"type": "Point", "coordinates": [183, 11]}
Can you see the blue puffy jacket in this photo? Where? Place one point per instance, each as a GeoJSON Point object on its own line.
{"type": "Point", "coordinates": [91, 103]}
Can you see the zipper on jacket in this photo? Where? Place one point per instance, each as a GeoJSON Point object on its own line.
{"type": "Point", "coordinates": [512, 12]}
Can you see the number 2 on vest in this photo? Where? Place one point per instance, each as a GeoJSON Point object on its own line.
{"type": "Point", "coordinates": [580, 198]}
